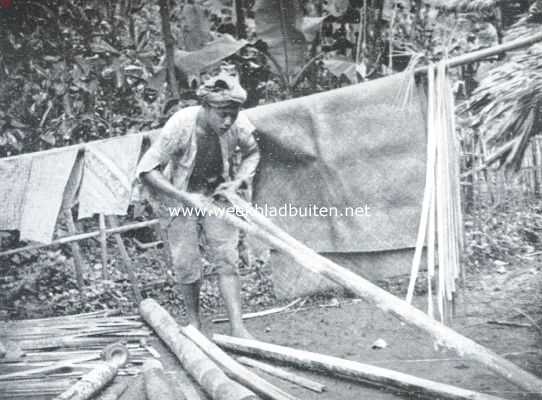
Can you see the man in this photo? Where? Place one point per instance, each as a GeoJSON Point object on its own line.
{"type": "Point", "coordinates": [193, 154]}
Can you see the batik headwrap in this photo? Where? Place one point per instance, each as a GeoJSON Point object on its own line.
{"type": "Point", "coordinates": [221, 91]}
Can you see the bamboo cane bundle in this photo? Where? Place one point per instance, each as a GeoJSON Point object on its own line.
{"type": "Point", "coordinates": [441, 208]}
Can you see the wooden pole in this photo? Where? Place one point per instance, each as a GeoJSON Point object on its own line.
{"type": "Point", "coordinates": [261, 227]}
{"type": "Point", "coordinates": [82, 236]}
{"type": "Point", "coordinates": [479, 55]}
{"type": "Point", "coordinates": [350, 369]}
{"type": "Point", "coordinates": [214, 382]}
{"type": "Point", "coordinates": [76, 250]}
{"type": "Point", "coordinates": [103, 245]}
{"type": "Point", "coordinates": [283, 374]}
{"type": "Point", "coordinates": [233, 369]}
{"type": "Point", "coordinates": [113, 221]}
{"type": "Point", "coordinates": [90, 384]}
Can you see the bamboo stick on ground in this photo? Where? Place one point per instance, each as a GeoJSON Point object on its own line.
{"type": "Point", "coordinates": [283, 374]}
{"type": "Point", "coordinates": [233, 369]}
{"type": "Point", "coordinates": [114, 391]}
{"type": "Point", "coordinates": [91, 383]}
{"type": "Point", "coordinates": [264, 229]}
{"type": "Point", "coordinates": [353, 370]}
{"type": "Point", "coordinates": [157, 386]}
{"type": "Point", "coordinates": [214, 382]}
{"type": "Point", "coordinates": [81, 236]}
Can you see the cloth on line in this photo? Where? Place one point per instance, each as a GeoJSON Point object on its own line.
{"type": "Point", "coordinates": [108, 174]}
{"type": "Point", "coordinates": [346, 148]}
{"type": "Point", "coordinates": [33, 191]}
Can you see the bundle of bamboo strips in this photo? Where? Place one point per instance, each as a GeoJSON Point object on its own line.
{"type": "Point", "coordinates": [61, 350]}
{"type": "Point", "coordinates": [441, 225]}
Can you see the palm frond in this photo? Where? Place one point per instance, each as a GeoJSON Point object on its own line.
{"type": "Point", "coordinates": [465, 5]}
{"type": "Point", "coordinates": [506, 105]}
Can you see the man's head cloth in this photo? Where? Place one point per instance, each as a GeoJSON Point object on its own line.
{"type": "Point", "coordinates": [221, 91]}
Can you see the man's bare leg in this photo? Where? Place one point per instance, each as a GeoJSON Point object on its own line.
{"type": "Point", "coordinates": [190, 294]}
{"type": "Point", "coordinates": [230, 287]}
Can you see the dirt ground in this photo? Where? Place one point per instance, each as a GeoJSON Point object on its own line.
{"type": "Point", "coordinates": [503, 295]}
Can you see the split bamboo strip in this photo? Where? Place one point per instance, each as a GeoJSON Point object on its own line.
{"type": "Point", "coordinates": [264, 229]}
{"type": "Point", "coordinates": [82, 236]}
{"type": "Point", "coordinates": [283, 374]}
{"type": "Point", "coordinates": [91, 383]}
{"type": "Point", "coordinates": [344, 368]}
{"type": "Point", "coordinates": [215, 383]}
{"type": "Point", "coordinates": [263, 313]}
{"type": "Point", "coordinates": [233, 369]}
{"type": "Point", "coordinates": [3, 350]}
{"type": "Point", "coordinates": [50, 368]}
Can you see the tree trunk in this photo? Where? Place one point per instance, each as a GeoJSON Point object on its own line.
{"type": "Point", "coordinates": [169, 44]}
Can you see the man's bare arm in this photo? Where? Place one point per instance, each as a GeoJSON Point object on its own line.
{"type": "Point", "coordinates": [156, 180]}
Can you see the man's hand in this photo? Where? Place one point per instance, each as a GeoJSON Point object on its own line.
{"type": "Point", "coordinates": [230, 187]}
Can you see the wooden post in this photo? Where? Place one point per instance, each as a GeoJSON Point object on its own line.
{"type": "Point", "coordinates": [81, 236]}
{"type": "Point", "coordinates": [76, 250]}
{"type": "Point", "coordinates": [350, 369]}
{"type": "Point", "coordinates": [103, 246]}
{"type": "Point", "coordinates": [215, 383]}
{"type": "Point", "coordinates": [113, 221]}
{"type": "Point", "coordinates": [264, 229]}
{"type": "Point", "coordinates": [233, 369]}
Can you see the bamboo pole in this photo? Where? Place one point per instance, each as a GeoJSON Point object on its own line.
{"type": "Point", "coordinates": [264, 229]}
{"type": "Point", "coordinates": [103, 245]}
{"type": "Point", "coordinates": [283, 374]}
{"type": "Point", "coordinates": [90, 384]}
{"type": "Point", "coordinates": [114, 391]}
{"type": "Point", "coordinates": [113, 221]}
{"type": "Point", "coordinates": [233, 369]}
{"type": "Point", "coordinates": [338, 367]}
{"type": "Point", "coordinates": [157, 386]}
{"type": "Point", "coordinates": [479, 55]}
{"type": "Point", "coordinates": [81, 236]}
{"type": "Point", "coordinates": [76, 250]}
{"type": "Point", "coordinates": [214, 382]}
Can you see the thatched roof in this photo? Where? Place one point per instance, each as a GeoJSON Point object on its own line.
{"type": "Point", "coordinates": [464, 5]}
{"type": "Point", "coordinates": [506, 107]}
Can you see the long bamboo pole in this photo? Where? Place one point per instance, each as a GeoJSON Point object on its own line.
{"type": "Point", "coordinates": [339, 367]}
{"type": "Point", "coordinates": [82, 236]}
{"type": "Point", "coordinates": [476, 56]}
{"type": "Point", "coordinates": [234, 369]}
{"type": "Point", "coordinates": [261, 227]}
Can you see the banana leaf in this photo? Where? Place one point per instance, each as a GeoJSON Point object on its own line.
{"type": "Point", "coordinates": [279, 24]}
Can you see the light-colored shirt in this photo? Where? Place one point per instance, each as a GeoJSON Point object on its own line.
{"type": "Point", "coordinates": [174, 151]}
